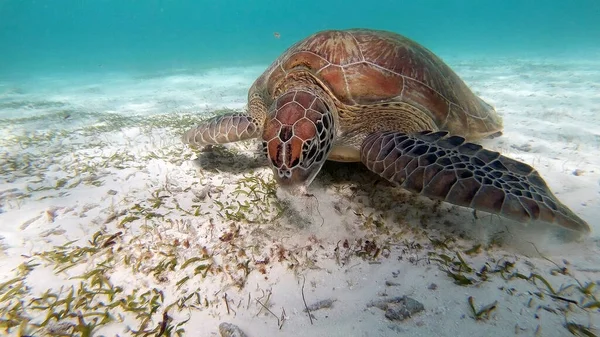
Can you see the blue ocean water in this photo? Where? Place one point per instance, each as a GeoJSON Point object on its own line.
{"type": "Point", "coordinates": [93, 94]}
{"type": "Point", "coordinates": [43, 36]}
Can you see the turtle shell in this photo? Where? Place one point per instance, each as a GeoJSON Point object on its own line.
{"type": "Point", "coordinates": [366, 67]}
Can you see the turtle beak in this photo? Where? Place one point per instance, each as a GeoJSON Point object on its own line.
{"type": "Point", "coordinates": [296, 180]}
{"type": "Point", "coordinates": [289, 170]}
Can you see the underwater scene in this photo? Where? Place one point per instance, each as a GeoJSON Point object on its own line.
{"type": "Point", "coordinates": [271, 168]}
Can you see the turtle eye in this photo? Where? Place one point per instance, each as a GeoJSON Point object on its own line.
{"type": "Point", "coordinates": [319, 126]}
{"type": "Point", "coordinates": [309, 149]}
{"type": "Point", "coordinates": [307, 145]}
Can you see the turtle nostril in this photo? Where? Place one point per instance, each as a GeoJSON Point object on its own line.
{"type": "Point", "coordinates": [284, 173]}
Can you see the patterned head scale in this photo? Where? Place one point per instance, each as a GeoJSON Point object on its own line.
{"type": "Point", "coordinates": [297, 138]}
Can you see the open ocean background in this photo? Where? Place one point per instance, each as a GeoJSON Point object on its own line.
{"type": "Point", "coordinates": [42, 37]}
{"type": "Point", "coordinates": [103, 209]}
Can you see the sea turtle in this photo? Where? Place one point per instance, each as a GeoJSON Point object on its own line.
{"type": "Point", "coordinates": [382, 99]}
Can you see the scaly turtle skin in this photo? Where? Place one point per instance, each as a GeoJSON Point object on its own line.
{"type": "Point", "coordinates": [382, 99]}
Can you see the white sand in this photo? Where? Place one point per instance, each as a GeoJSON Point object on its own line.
{"type": "Point", "coordinates": [87, 155]}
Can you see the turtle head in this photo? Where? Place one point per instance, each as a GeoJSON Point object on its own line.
{"type": "Point", "coordinates": [297, 138]}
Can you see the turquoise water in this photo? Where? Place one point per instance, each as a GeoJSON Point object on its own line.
{"type": "Point", "coordinates": [38, 37]}
{"type": "Point", "coordinates": [96, 94]}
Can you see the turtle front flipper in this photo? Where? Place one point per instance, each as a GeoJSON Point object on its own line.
{"type": "Point", "coordinates": [447, 168]}
{"type": "Point", "coordinates": [227, 128]}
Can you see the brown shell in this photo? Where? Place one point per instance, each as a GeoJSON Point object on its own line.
{"type": "Point", "coordinates": [364, 67]}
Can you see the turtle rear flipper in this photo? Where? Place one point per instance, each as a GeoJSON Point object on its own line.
{"type": "Point", "coordinates": [226, 128]}
{"type": "Point", "coordinates": [448, 168]}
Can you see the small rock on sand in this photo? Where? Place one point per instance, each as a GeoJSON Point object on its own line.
{"type": "Point", "coordinates": [398, 308]}
{"type": "Point", "coordinates": [328, 303]}
{"type": "Point", "coordinates": [524, 147]}
{"type": "Point", "coordinates": [230, 330]}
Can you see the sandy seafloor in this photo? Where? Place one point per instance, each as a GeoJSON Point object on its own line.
{"type": "Point", "coordinates": [110, 225]}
